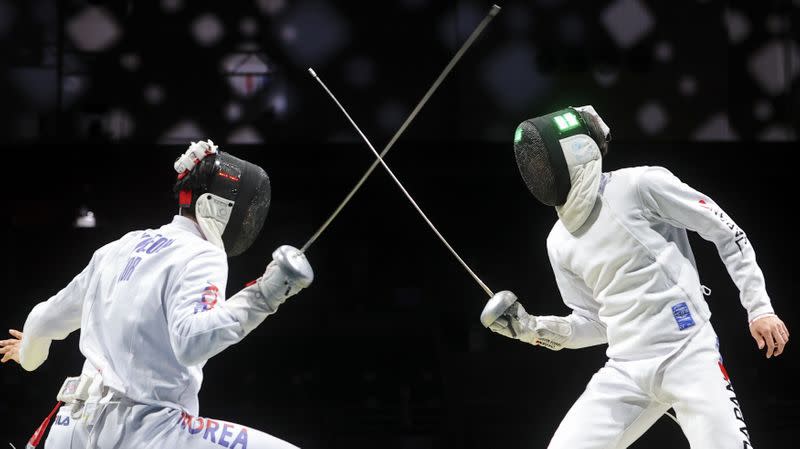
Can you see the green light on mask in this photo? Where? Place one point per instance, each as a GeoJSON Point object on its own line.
{"type": "Point", "coordinates": [518, 135]}
{"type": "Point", "coordinates": [566, 121]}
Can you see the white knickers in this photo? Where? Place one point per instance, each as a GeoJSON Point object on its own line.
{"type": "Point", "coordinates": [623, 399]}
{"type": "Point", "coordinates": [132, 425]}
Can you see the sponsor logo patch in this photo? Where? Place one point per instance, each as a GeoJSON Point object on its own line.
{"type": "Point", "coordinates": [62, 420]}
{"type": "Point", "coordinates": [682, 316]}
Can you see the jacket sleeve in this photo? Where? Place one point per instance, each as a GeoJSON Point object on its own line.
{"type": "Point", "coordinates": [201, 322]}
{"type": "Point", "coordinates": [665, 198]}
{"type": "Point", "coordinates": [587, 329]}
{"type": "Point", "coordinates": [57, 317]}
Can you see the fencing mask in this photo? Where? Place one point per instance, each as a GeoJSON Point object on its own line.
{"type": "Point", "coordinates": [229, 196]}
{"type": "Point", "coordinates": [559, 157]}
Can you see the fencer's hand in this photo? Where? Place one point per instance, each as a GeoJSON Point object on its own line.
{"type": "Point", "coordinates": [505, 324]}
{"type": "Point", "coordinates": [770, 332]}
{"type": "Point", "coordinates": [288, 273]}
{"type": "Point", "coordinates": [505, 316]}
{"type": "Point", "coordinates": [10, 348]}
{"type": "Point", "coordinates": [499, 312]}
{"type": "Point", "coordinates": [293, 263]}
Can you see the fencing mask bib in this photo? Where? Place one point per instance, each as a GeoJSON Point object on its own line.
{"type": "Point", "coordinates": [230, 197]}
{"type": "Point", "coordinates": [560, 159]}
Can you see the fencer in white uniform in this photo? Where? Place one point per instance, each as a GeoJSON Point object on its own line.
{"type": "Point", "coordinates": [152, 311]}
{"type": "Point", "coordinates": [623, 264]}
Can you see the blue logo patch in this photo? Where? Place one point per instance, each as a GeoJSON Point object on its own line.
{"type": "Point", "coordinates": [682, 315]}
{"type": "Point", "coordinates": [62, 420]}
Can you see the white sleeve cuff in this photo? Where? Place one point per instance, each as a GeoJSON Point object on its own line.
{"type": "Point", "coordinates": [760, 316]}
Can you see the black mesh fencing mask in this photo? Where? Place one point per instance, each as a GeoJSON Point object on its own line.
{"type": "Point", "coordinates": [251, 195]}
{"type": "Point", "coordinates": [231, 202]}
{"type": "Point", "coordinates": [540, 156]}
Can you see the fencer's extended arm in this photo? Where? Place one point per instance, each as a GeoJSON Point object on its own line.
{"type": "Point", "coordinates": [665, 198]}
{"type": "Point", "coordinates": [504, 315]}
{"type": "Point", "coordinates": [202, 325]}
{"type": "Point", "coordinates": [56, 318]}
{"type": "Point", "coordinates": [287, 274]}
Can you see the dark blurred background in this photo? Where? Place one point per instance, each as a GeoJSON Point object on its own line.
{"type": "Point", "coordinates": [385, 348]}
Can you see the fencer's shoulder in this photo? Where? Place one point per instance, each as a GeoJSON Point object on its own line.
{"type": "Point", "coordinates": [192, 253]}
{"type": "Point", "coordinates": [195, 246]}
{"type": "Point", "coordinates": [208, 249]}
{"type": "Point", "coordinates": [636, 173]}
{"type": "Point", "coordinates": [644, 176]}
{"type": "Point", "coordinates": [132, 235]}
{"type": "Point", "coordinates": [557, 235]}
{"type": "Point", "coordinates": [655, 179]}
{"type": "Point", "coordinates": [187, 235]}
{"type": "Point", "coordinates": [108, 247]}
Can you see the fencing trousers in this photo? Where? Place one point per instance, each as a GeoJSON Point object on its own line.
{"type": "Point", "coordinates": [624, 398]}
{"type": "Point", "coordinates": [127, 424]}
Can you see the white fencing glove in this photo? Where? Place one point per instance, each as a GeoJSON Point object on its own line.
{"type": "Point", "coordinates": [287, 274]}
{"type": "Point", "coordinates": [504, 315]}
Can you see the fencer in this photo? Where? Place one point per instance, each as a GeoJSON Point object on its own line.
{"type": "Point", "coordinates": [152, 311]}
{"type": "Point", "coordinates": [623, 264]}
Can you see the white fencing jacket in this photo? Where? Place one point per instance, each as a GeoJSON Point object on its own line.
{"type": "Point", "coordinates": [151, 309]}
{"type": "Point", "coordinates": [628, 273]}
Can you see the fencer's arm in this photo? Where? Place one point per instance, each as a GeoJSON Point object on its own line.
{"type": "Point", "coordinates": [287, 274]}
{"type": "Point", "coordinates": [504, 315]}
{"type": "Point", "coordinates": [199, 331]}
{"type": "Point", "coordinates": [55, 318]}
{"type": "Point", "coordinates": [585, 331]}
{"type": "Point", "coordinates": [50, 320]}
{"type": "Point", "coordinates": [665, 198]}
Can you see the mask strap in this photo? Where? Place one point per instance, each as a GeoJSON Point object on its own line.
{"type": "Point", "coordinates": [185, 198]}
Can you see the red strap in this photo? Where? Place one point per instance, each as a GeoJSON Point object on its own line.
{"type": "Point", "coordinates": [724, 371]}
{"type": "Point", "coordinates": [37, 436]}
{"type": "Point", "coordinates": [185, 198]}
{"type": "Point", "coordinates": [251, 282]}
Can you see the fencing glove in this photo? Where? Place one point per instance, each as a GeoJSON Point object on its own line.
{"type": "Point", "coordinates": [287, 274]}
{"type": "Point", "coordinates": [504, 315]}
